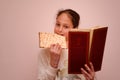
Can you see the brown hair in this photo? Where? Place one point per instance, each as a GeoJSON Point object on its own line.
{"type": "Point", "coordinates": [74, 16]}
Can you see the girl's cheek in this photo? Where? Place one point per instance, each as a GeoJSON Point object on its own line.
{"type": "Point", "coordinates": [66, 35]}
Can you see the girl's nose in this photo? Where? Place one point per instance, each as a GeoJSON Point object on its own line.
{"type": "Point", "coordinates": [61, 29]}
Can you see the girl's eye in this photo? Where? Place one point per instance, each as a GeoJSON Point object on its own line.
{"type": "Point", "coordinates": [57, 24]}
{"type": "Point", "coordinates": [66, 27]}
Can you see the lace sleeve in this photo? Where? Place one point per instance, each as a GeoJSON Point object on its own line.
{"type": "Point", "coordinates": [46, 72]}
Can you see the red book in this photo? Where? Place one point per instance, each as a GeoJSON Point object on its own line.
{"type": "Point", "coordinates": [86, 45]}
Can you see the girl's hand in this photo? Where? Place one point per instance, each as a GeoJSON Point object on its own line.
{"type": "Point", "coordinates": [90, 73]}
{"type": "Point", "coordinates": [55, 51]}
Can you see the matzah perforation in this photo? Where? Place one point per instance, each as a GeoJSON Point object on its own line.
{"type": "Point", "coordinates": [46, 39]}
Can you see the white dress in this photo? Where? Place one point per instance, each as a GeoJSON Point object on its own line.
{"type": "Point", "coordinates": [46, 72]}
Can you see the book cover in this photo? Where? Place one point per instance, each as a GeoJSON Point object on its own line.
{"type": "Point", "coordinates": [97, 47]}
{"type": "Point", "coordinates": [86, 45]}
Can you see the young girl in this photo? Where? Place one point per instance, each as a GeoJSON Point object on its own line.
{"type": "Point", "coordinates": [53, 61]}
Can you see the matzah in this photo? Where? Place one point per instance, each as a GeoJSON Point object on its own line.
{"type": "Point", "coordinates": [46, 39]}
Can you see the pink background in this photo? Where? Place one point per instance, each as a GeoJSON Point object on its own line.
{"type": "Point", "coordinates": [21, 20]}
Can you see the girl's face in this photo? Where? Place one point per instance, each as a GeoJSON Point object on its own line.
{"type": "Point", "coordinates": [63, 25]}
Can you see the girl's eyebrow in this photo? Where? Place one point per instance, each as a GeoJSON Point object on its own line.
{"type": "Point", "coordinates": [57, 21]}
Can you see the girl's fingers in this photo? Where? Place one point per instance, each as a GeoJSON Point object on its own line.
{"type": "Point", "coordinates": [55, 51]}
{"type": "Point", "coordinates": [55, 48]}
{"type": "Point", "coordinates": [86, 74]}
{"type": "Point", "coordinates": [91, 65]}
{"type": "Point", "coordinates": [87, 68]}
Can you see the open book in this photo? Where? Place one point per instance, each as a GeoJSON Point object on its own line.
{"type": "Point", "coordinates": [86, 45]}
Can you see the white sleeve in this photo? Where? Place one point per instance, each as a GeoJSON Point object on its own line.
{"type": "Point", "coordinates": [46, 72]}
{"type": "Point", "coordinates": [81, 76]}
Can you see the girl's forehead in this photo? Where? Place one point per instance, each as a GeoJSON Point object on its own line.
{"type": "Point", "coordinates": [66, 15]}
